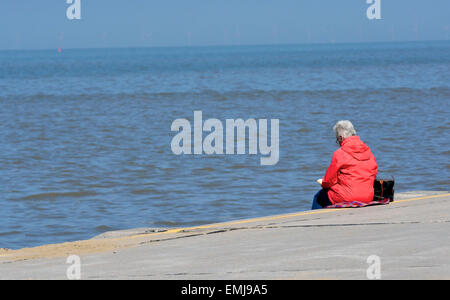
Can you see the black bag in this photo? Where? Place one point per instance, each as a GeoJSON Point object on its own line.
{"type": "Point", "coordinates": [383, 188]}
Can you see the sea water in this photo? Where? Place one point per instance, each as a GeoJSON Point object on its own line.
{"type": "Point", "coordinates": [85, 135]}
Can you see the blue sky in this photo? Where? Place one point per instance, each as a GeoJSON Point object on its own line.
{"type": "Point", "coordinates": [27, 24]}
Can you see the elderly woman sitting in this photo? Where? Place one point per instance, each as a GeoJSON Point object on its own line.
{"type": "Point", "coordinates": [352, 171]}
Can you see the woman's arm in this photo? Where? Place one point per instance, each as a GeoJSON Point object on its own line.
{"type": "Point", "coordinates": [331, 176]}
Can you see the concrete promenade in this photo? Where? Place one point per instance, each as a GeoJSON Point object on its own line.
{"type": "Point", "coordinates": [410, 237]}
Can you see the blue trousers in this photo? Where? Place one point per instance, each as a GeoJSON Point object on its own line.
{"type": "Point", "coordinates": [321, 200]}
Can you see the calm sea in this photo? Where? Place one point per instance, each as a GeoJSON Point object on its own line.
{"type": "Point", "coordinates": [85, 134]}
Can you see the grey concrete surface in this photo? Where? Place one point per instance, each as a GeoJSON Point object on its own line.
{"type": "Point", "coordinates": [410, 237]}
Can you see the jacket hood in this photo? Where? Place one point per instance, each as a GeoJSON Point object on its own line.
{"type": "Point", "coordinates": [356, 148]}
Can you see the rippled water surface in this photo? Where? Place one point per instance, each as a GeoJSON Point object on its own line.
{"type": "Point", "coordinates": [85, 134]}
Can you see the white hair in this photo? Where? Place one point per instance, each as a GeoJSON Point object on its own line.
{"type": "Point", "coordinates": [344, 128]}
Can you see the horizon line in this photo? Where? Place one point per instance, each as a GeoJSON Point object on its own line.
{"type": "Point", "coordinates": [228, 45]}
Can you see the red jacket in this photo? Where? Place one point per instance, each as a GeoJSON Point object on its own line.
{"type": "Point", "coordinates": [351, 173]}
